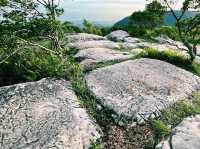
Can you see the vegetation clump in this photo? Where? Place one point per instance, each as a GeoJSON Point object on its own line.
{"type": "Point", "coordinates": [174, 57]}
{"type": "Point", "coordinates": [139, 23]}
{"type": "Point", "coordinates": [169, 118]}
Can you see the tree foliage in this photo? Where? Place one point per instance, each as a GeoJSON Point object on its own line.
{"type": "Point", "coordinates": [25, 15]}
{"type": "Point", "coordinates": [188, 27]}
{"type": "Point", "coordinates": [30, 40]}
{"type": "Point", "coordinates": [142, 23]}
{"type": "Point", "coordinates": [90, 28]}
{"type": "Point", "coordinates": [150, 18]}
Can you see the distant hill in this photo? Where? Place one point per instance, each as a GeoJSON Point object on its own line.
{"type": "Point", "coordinates": [169, 20]}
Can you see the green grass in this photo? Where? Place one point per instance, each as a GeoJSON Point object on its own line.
{"type": "Point", "coordinates": [170, 56]}
{"type": "Point", "coordinates": [31, 65]}
{"type": "Point", "coordinates": [96, 145]}
{"type": "Point", "coordinates": [160, 129]}
{"type": "Point", "coordinates": [169, 118]}
{"type": "Point", "coordinates": [175, 58]}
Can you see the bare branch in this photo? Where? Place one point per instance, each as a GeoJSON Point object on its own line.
{"type": "Point", "coordinates": [13, 53]}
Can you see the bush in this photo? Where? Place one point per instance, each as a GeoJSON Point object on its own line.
{"type": "Point", "coordinates": [90, 28]}
{"type": "Point", "coordinates": [30, 64]}
{"type": "Point", "coordinates": [171, 32]}
{"type": "Point", "coordinates": [175, 58]}
{"type": "Point", "coordinates": [160, 129]}
{"type": "Point", "coordinates": [170, 56]}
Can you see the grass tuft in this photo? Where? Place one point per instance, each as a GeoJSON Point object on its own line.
{"type": "Point", "coordinates": [173, 116]}
{"type": "Point", "coordinates": [160, 129]}
{"type": "Point", "coordinates": [174, 57]}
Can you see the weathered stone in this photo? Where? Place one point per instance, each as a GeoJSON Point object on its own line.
{"type": "Point", "coordinates": [185, 136]}
{"type": "Point", "coordinates": [160, 47]}
{"type": "Point", "coordinates": [132, 40]}
{"type": "Point", "coordinates": [118, 35]}
{"type": "Point", "coordinates": [44, 114]}
{"type": "Point", "coordinates": [82, 37]}
{"type": "Point", "coordinates": [128, 46]}
{"type": "Point", "coordinates": [164, 47]}
{"type": "Point", "coordinates": [138, 51]}
{"type": "Point", "coordinates": [167, 41]}
{"type": "Point", "coordinates": [138, 88]}
{"type": "Point", "coordinates": [94, 44]}
{"type": "Point", "coordinates": [89, 57]}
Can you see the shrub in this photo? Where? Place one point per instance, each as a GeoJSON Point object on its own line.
{"type": "Point", "coordinates": [30, 64]}
{"type": "Point", "coordinates": [169, 31]}
{"type": "Point", "coordinates": [160, 129]}
{"type": "Point", "coordinates": [175, 58]}
{"type": "Point", "coordinates": [169, 56]}
{"type": "Point", "coordinates": [90, 28]}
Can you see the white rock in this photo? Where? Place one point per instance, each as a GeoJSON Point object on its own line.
{"type": "Point", "coordinates": [186, 135]}
{"type": "Point", "coordinates": [118, 35]}
{"type": "Point", "coordinates": [94, 44]}
{"type": "Point", "coordinates": [136, 88]}
{"type": "Point", "coordinates": [44, 114]}
{"type": "Point", "coordinates": [82, 37]}
{"type": "Point", "coordinates": [132, 40]}
{"type": "Point", "coordinates": [89, 57]}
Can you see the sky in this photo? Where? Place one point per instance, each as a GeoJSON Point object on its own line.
{"type": "Point", "coordinates": [100, 11]}
{"type": "Point", "coordinates": [103, 12]}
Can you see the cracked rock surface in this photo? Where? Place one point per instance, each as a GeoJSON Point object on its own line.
{"type": "Point", "coordinates": [92, 56]}
{"type": "Point", "coordinates": [94, 44]}
{"type": "Point", "coordinates": [185, 136]}
{"type": "Point", "coordinates": [118, 35]}
{"type": "Point", "coordinates": [135, 89]}
{"type": "Point", "coordinates": [42, 115]}
{"type": "Point", "coordinates": [78, 37]}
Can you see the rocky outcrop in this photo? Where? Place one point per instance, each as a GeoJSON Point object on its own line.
{"type": "Point", "coordinates": [44, 114]}
{"type": "Point", "coordinates": [132, 40]}
{"type": "Point", "coordinates": [135, 89]}
{"type": "Point", "coordinates": [176, 44]}
{"type": "Point", "coordinates": [118, 35]}
{"type": "Point", "coordinates": [185, 136]}
{"type": "Point", "coordinates": [94, 44]}
{"type": "Point", "coordinates": [80, 37]}
{"type": "Point", "coordinates": [89, 57]}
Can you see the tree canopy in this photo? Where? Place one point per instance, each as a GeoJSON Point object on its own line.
{"type": "Point", "coordinates": [26, 15]}
{"type": "Point", "coordinates": [151, 17]}
{"type": "Point", "coordinates": [187, 27]}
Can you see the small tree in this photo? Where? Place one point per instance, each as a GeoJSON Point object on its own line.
{"type": "Point", "coordinates": [190, 27]}
{"type": "Point", "coordinates": [150, 18]}
{"type": "Point", "coordinates": [90, 28]}
{"type": "Point", "coordinates": [23, 11]}
{"type": "Point", "coordinates": [157, 9]}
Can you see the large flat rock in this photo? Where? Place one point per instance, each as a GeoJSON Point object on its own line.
{"type": "Point", "coordinates": [138, 88]}
{"type": "Point", "coordinates": [185, 136]}
{"type": "Point", "coordinates": [132, 40]}
{"type": "Point", "coordinates": [170, 42]}
{"type": "Point", "coordinates": [79, 37]}
{"type": "Point", "coordinates": [94, 44]}
{"type": "Point", "coordinates": [42, 115]}
{"type": "Point", "coordinates": [89, 57]}
{"type": "Point", "coordinates": [145, 44]}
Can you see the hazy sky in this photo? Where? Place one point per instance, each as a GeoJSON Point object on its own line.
{"type": "Point", "coordinates": [108, 11]}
